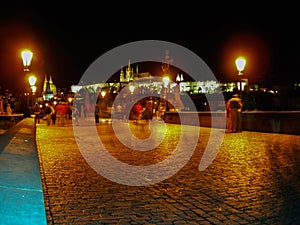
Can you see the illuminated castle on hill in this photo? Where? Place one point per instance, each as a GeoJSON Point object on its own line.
{"type": "Point", "coordinates": [129, 75]}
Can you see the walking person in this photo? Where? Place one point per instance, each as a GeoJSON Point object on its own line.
{"type": "Point", "coordinates": [235, 107]}
{"type": "Point", "coordinates": [37, 113]}
{"type": "Point", "coordinates": [228, 120]}
{"type": "Point", "coordinates": [61, 112]}
{"type": "Point", "coordinates": [75, 114]}
{"type": "Point", "coordinates": [48, 114]}
{"type": "Point", "coordinates": [147, 113]}
{"type": "Point", "coordinates": [97, 114]}
{"type": "Point", "coordinates": [53, 114]}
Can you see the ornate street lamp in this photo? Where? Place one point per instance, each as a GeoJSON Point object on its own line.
{"type": "Point", "coordinates": [240, 63]}
{"type": "Point", "coordinates": [103, 93]}
{"type": "Point", "coordinates": [166, 81]}
{"type": "Point", "coordinates": [32, 80]}
{"type": "Point", "coordinates": [131, 88]}
{"type": "Point", "coordinates": [26, 58]}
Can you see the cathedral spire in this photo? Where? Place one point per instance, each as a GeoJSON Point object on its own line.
{"type": "Point", "coordinates": [122, 77]}
{"type": "Point", "coordinates": [45, 84]}
{"type": "Point", "coordinates": [50, 80]}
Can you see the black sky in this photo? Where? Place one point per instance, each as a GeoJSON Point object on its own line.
{"type": "Point", "coordinates": [65, 41]}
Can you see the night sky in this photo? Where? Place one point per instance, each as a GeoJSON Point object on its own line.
{"type": "Point", "coordinates": [66, 40]}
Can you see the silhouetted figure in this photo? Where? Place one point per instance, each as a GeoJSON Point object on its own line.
{"type": "Point", "coordinates": [235, 107]}
{"type": "Point", "coordinates": [37, 113]}
{"type": "Point", "coordinates": [9, 110]}
{"type": "Point", "coordinates": [97, 114]}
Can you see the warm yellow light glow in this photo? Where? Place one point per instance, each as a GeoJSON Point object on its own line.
{"type": "Point", "coordinates": [33, 88]}
{"type": "Point", "coordinates": [32, 80]}
{"type": "Point", "coordinates": [26, 57]}
{"type": "Point", "coordinates": [166, 81]}
{"type": "Point", "coordinates": [240, 63]}
{"type": "Point", "coordinates": [103, 93]}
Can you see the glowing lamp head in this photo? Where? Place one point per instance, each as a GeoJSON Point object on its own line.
{"type": "Point", "coordinates": [26, 58]}
{"type": "Point", "coordinates": [166, 81]}
{"type": "Point", "coordinates": [103, 93]}
{"type": "Point", "coordinates": [33, 89]}
{"type": "Point", "coordinates": [32, 80]}
{"type": "Point", "coordinates": [131, 88]}
{"type": "Point", "coordinates": [240, 63]}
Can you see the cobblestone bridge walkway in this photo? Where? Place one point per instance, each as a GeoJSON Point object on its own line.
{"type": "Point", "coordinates": [254, 179]}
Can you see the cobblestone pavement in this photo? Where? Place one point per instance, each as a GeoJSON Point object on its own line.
{"type": "Point", "coordinates": [254, 179]}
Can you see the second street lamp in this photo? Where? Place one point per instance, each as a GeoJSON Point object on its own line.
{"type": "Point", "coordinates": [32, 81]}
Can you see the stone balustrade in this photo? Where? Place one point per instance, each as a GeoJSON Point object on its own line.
{"type": "Point", "coordinates": [261, 121]}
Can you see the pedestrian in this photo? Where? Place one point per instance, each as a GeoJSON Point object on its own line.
{"type": "Point", "coordinates": [48, 114]}
{"type": "Point", "coordinates": [37, 113]}
{"type": "Point", "coordinates": [75, 115]}
{"type": "Point", "coordinates": [118, 111]}
{"type": "Point", "coordinates": [137, 111]}
{"type": "Point", "coordinates": [53, 114]}
{"type": "Point", "coordinates": [235, 107]}
{"type": "Point", "coordinates": [8, 110]}
{"type": "Point", "coordinates": [147, 113]}
{"type": "Point", "coordinates": [97, 114]}
{"type": "Point", "coordinates": [61, 113]}
{"type": "Point", "coordinates": [228, 122]}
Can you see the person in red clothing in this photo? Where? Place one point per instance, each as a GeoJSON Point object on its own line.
{"type": "Point", "coordinates": [61, 113]}
{"type": "Point", "coordinates": [137, 111]}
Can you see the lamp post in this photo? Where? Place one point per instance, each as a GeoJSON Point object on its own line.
{"type": "Point", "coordinates": [240, 63]}
{"type": "Point", "coordinates": [32, 81]}
{"type": "Point", "coordinates": [26, 56]}
{"type": "Point", "coordinates": [166, 71]}
{"type": "Point", "coordinates": [103, 93]}
{"type": "Point", "coordinates": [166, 81]}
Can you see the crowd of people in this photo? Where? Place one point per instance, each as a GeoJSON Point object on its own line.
{"type": "Point", "coordinates": [59, 113]}
{"type": "Point", "coordinates": [5, 106]}
{"type": "Point", "coordinates": [145, 109]}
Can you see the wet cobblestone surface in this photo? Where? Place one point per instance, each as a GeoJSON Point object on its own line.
{"type": "Point", "coordinates": [254, 179]}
